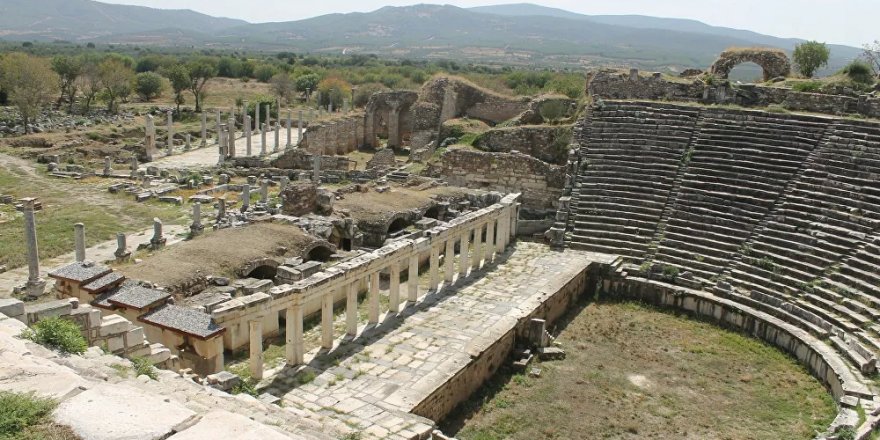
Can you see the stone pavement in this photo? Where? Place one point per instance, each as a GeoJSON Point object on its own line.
{"type": "Point", "coordinates": [209, 155]}
{"type": "Point", "coordinates": [375, 380]}
{"type": "Point", "coordinates": [100, 252]}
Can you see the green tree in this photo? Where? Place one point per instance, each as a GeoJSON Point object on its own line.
{"type": "Point", "coordinates": [265, 72]}
{"type": "Point", "coordinates": [307, 82]}
{"type": "Point", "coordinates": [116, 79]}
{"type": "Point", "coordinates": [200, 72]}
{"type": "Point", "coordinates": [282, 86]}
{"type": "Point", "coordinates": [30, 83]}
{"type": "Point", "coordinates": [333, 90]}
{"type": "Point", "coordinates": [68, 69]}
{"type": "Point", "coordinates": [178, 75]}
{"type": "Point", "coordinates": [810, 57]}
{"type": "Point", "coordinates": [149, 85]}
{"type": "Point", "coordinates": [89, 83]}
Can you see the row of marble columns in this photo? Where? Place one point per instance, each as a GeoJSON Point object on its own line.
{"type": "Point", "coordinates": [474, 253]}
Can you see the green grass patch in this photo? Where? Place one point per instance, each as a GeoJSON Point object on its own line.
{"type": "Point", "coordinates": [58, 334]}
{"type": "Point", "coordinates": [26, 417]}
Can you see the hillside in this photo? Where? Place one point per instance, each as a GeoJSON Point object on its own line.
{"type": "Point", "coordinates": [522, 34]}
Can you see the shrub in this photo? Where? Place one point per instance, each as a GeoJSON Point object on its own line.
{"type": "Point", "coordinates": [264, 73]}
{"type": "Point", "coordinates": [365, 91]}
{"type": "Point", "coordinates": [20, 411]}
{"type": "Point", "coordinates": [149, 85]}
{"type": "Point", "coordinates": [859, 71]}
{"type": "Point", "coordinates": [143, 367]}
{"type": "Point", "coordinates": [59, 334]}
{"type": "Point", "coordinates": [807, 87]}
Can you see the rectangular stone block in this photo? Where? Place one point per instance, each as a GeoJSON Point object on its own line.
{"type": "Point", "coordinates": [12, 308]}
{"type": "Point", "coordinates": [113, 325]}
{"type": "Point", "coordinates": [134, 337]}
{"type": "Point", "coordinates": [115, 343]}
{"type": "Point", "coordinates": [49, 309]}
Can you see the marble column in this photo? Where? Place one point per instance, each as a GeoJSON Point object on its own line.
{"type": "Point", "coordinates": [257, 117]}
{"type": "Point", "coordinates": [351, 309]}
{"type": "Point", "coordinates": [434, 271]}
{"type": "Point", "coordinates": [277, 137]}
{"type": "Point", "coordinates": [263, 140]}
{"type": "Point", "coordinates": [327, 320]}
{"type": "Point", "coordinates": [187, 142]}
{"type": "Point", "coordinates": [449, 261]}
{"type": "Point", "coordinates": [221, 209]}
{"type": "Point", "coordinates": [463, 254]}
{"type": "Point", "coordinates": [373, 299]}
{"type": "Point", "coordinates": [158, 239]}
{"type": "Point", "coordinates": [170, 146]}
{"type": "Point", "coordinates": [35, 286]}
{"type": "Point", "coordinates": [490, 241]}
{"type": "Point", "coordinates": [295, 345]}
{"type": "Point", "coordinates": [299, 129]}
{"type": "Point", "coordinates": [204, 130]}
{"type": "Point", "coordinates": [134, 166]}
{"type": "Point", "coordinates": [122, 253]}
{"type": "Point", "coordinates": [230, 127]}
{"type": "Point", "coordinates": [256, 348]}
{"type": "Point", "coordinates": [79, 239]}
{"type": "Point", "coordinates": [196, 227]}
{"type": "Point", "coordinates": [477, 257]}
{"type": "Point", "coordinates": [150, 138]}
{"type": "Point", "coordinates": [245, 197]}
{"type": "Point", "coordinates": [289, 128]}
{"type": "Point", "coordinates": [264, 191]}
{"type": "Point", "coordinates": [217, 135]}
{"type": "Point", "coordinates": [394, 293]}
{"type": "Point", "coordinates": [412, 289]}
{"type": "Point", "coordinates": [248, 134]}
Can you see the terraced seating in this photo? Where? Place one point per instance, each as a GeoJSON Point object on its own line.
{"type": "Point", "coordinates": [632, 155]}
{"type": "Point", "coordinates": [740, 165]}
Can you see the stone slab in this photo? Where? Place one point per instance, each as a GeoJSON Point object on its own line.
{"type": "Point", "coordinates": [114, 412]}
{"type": "Point", "coordinates": [226, 425]}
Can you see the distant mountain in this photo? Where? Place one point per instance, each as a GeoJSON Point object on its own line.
{"type": "Point", "coordinates": [518, 34]}
{"type": "Point", "coordinates": [87, 20]}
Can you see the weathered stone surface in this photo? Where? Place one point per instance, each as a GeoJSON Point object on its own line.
{"type": "Point", "coordinates": [226, 425]}
{"type": "Point", "coordinates": [299, 198]}
{"type": "Point", "coordinates": [113, 412]}
{"type": "Point", "coordinates": [774, 61]}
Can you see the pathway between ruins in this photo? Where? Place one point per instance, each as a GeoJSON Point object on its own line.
{"type": "Point", "coordinates": [374, 381]}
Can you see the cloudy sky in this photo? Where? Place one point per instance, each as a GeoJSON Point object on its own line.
{"type": "Point", "coordinates": [851, 22]}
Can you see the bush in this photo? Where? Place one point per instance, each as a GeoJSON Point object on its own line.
{"type": "Point", "coordinates": [143, 367]}
{"type": "Point", "coordinates": [364, 92]}
{"type": "Point", "coordinates": [59, 334]}
{"type": "Point", "coordinates": [807, 87]}
{"type": "Point", "coordinates": [149, 85]}
{"type": "Point", "coordinates": [20, 411]}
{"type": "Point", "coordinates": [859, 71]}
{"type": "Point", "coordinates": [265, 72]}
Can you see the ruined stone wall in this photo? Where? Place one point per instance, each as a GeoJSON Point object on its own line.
{"type": "Point", "coordinates": [496, 111]}
{"type": "Point", "coordinates": [540, 183]}
{"type": "Point", "coordinates": [298, 159]}
{"type": "Point", "coordinates": [543, 142]}
{"type": "Point", "coordinates": [335, 136]}
{"type": "Point", "coordinates": [611, 84]}
{"type": "Point", "coordinates": [774, 62]}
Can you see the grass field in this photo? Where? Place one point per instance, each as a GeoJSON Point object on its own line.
{"type": "Point", "coordinates": [633, 372]}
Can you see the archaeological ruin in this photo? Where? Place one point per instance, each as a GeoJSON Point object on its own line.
{"type": "Point", "coordinates": [362, 272]}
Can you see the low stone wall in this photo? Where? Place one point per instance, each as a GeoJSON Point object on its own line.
{"type": "Point", "coordinates": [544, 142]}
{"type": "Point", "coordinates": [611, 84]}
{"type": "Point", "coordinates": [820, 358]}
{"type": "Point", "coordinates": [540, 183]}
{"type": "Point", "coordinates": [300, 159]}
{"type": "Point", "coordinates": [493, 350]}
{"type": "Point", "coordinates": [497, 111]}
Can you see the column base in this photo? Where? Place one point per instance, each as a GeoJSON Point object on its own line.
{"type": "Point", "coordinates": [32, 288]}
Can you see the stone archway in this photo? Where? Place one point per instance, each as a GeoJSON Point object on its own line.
{"type": "Point", "coordinates": [774, 62]}
{"type": "Point", "coordinates": [389, 114]}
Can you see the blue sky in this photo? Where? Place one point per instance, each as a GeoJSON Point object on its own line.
{"type": "Point", "coordinates": [851, 22]}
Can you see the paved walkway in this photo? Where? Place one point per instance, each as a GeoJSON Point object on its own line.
{"type": "Point", "coordinates": [374, 381]}
{"type": "Point", "coordinates": [209, 155]}
{"type": "Point", "coordinates": [101, 252]}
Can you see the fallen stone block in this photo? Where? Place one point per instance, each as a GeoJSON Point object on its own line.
{"type": "Point", "coordinates": [112, 412]}
{"type": "Point", "coordinates": [51, 309]}
{"type": "Point", "coordinates": [224, 380]}
{"type": "Point", "coordinates": [551, 353]}
{"type": "Point", "coordinates": [12, 308]}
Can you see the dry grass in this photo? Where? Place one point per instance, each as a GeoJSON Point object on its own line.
{"type": "Point", "coordinates": [632, 372]}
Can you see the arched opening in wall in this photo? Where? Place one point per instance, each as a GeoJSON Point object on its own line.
{"type": "Point", "coordinates": [398, 225]}
{"type": "Point", "coordinates": [263, 272]}
{"type": "Point", "coordinates": [339, 239]}
{"type": "Point", "coordinates": [747, 72]}
{"type": "Point", "coordinates": [433, 212]}
{"type": "Point", "coordinates": [319, 253]}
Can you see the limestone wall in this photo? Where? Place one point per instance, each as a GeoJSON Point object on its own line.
{"type": "Point", "coordinates": [543, 142]}
{"type": "Point", "coordinates": [611, 84]}
{"type": "Point", "coordinates": [340, 135]}
{"type": "Point", "coordinates": [301, 159]}
{"type": "Point", "coordinates": [540, 183]}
